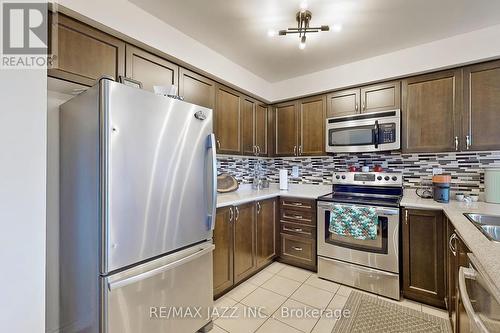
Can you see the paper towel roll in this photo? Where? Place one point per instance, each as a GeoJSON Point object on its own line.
{"type": "Point", "coordinates": [283, 179]}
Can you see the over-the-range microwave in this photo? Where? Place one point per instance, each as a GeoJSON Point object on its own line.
{"type": "Point", "coordinates": [367, 132]}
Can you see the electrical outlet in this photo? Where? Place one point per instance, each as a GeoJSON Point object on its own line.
{"type": "Point", "coordinates": [437, 171]}
{"type": "Point", "coordinates": [295, 172]}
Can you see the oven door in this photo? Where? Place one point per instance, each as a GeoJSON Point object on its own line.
{"type": "Point", "coordinates": [379, 252]}
{"type": "Point", "coordinates": [364, 133]}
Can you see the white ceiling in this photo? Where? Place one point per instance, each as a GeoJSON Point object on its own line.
{"type": "Point", "coordinates": [237, 29]}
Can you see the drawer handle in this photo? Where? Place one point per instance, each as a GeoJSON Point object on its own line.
{"type": "Point", "coordinates": [296, 248]}
{"type": "Point", "coordinates": [294, 204]}
{"type": "Point", "coordinates": [298, 217]}
{"type": "Point", "coordinates": [296, 230]}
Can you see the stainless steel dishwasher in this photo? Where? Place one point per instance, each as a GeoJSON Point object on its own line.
{"type": "Point", "coordinates": [479, 310]}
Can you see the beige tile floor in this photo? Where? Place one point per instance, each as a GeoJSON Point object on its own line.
{"type": "Point", "coordinates": [279, 287]}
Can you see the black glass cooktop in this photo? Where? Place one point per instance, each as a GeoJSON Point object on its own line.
{"type": "Point", "coordinates": [364, 195]}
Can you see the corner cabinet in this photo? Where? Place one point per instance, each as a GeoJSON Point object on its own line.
{"type": "Point", "coordinates": [150, 69]}
{"type": "Point", "coordinates": [83, 54]}
{"type": "Point", "coordinates": [245, 238]}
{"type": "Point", "coordinates": [432, 105]}
{"type": "Point", "coordinates": [423, 256]}
{"type": "Point", "coordinates": [300, 127]}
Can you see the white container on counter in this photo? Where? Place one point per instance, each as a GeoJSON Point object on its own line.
{"type": "Point", "coordinates": [283, 179]}
{"type": "Point", "coordinates": [492, 185]}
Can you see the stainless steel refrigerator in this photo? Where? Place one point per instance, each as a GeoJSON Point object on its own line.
{"type": "Point", "coordinates": [137, 198]}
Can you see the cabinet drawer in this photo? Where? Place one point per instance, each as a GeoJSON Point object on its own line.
{"type": "Point", "coordinates": [297, 203]}
{"type": "Point", "coordinates": [298, 249]}
{"type": "Point", "coordinates": [298, 230]}
{"type": "Point", "coordinates": [302, 217]}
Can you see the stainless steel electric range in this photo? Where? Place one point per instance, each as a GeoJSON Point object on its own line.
{"type": "Point", "coordinates": [358, 232]}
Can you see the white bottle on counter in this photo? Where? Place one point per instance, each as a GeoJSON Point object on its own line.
{"type": "Point", "coordinates": [284, 179]}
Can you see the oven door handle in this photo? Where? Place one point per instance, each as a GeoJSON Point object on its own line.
{"type": "Point", "coordinates": [379, 210]}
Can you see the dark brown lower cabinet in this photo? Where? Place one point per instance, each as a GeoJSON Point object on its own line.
{"type": "Point", "coordinates": [298, 232]}
{"type": "Point", "coordinates": [223, 252]}
{"type": "Point", "coordinates": [423, 256]}
{"type": "Point", "coordinates": [245, 239]}
{"type": "Point", "coordinates": [456, 257]}
{"type": "Point", "coordinates": [266, 231]}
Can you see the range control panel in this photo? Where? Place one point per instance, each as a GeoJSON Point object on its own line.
{"type": "Point", "coordinates": [368, 178]}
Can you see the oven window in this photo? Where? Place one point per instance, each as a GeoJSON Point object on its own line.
{"type": "Point", "coordinates": [376, 243]}
{"type": "Point", "coordinates": [351, 136]}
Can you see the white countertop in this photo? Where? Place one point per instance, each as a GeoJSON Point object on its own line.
{"type": "Point", "coordinates": [245, 193]}
{"type": "Point", "coordinates": [485, 251]}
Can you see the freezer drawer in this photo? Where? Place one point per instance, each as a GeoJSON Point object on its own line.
{"type": "Point", "coordinates": [170, 294]}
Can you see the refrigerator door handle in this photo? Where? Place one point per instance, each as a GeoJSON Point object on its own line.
{"type": "Point", "coordinates": [112, 285]}
{"type": "Point", "coordinates": [212, 206]}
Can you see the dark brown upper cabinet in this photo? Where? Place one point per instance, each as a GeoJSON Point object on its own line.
{"type": "Point", "coordinates": [150, 69]}
{"type": "Point", "coordinates": [285, 120]}
{"type": "Point", "coordinates": [254, 128]}
{"type": "Point", "coordinates": [373, 98]}
{"type": "Point", "coordinates": [300, 127]}
{"type": "Point", "coordinates": [482, 107]}
{"type": "Point", "coordinates": [343, 103]}
{"type": "Point", "coordinates": [381, 97]}
{"type": "Point", "coordinates": [248, 146]}
{"type": "Point", "coordinates": [83, 54]}
{"type": "Point", "coordinates": [423, 256]}
{"type": "Point", "coordinates": [196, 89]}
{"type": "Point", "coordinates": [227, 125]}
{"type": "Point", "coordinates": [311, 118]}
{"type": "Point", "coordinates": [224, 250]}
{"type": "Point", "coordinates": [431, 110]}
{"type": "Point", "coordinates": [262, 129]}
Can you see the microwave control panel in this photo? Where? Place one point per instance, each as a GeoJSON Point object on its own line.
{"type": "Point", "coordinates": [387, 133]}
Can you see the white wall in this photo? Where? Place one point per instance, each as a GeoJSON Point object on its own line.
{"type": "Point", "coordinates": [134, 22]}
{"type": "Point", "coordinates": [23, 127]}
{"type": "Point", "coordinates": [54, 99]}
{"type": "Point", "coordinates": [454, 51]}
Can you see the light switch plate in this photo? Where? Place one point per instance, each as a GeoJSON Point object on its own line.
{"type": "Point", "coordinates": [437, 171]}
{"type": "Point", "coordinates": [295, 171]}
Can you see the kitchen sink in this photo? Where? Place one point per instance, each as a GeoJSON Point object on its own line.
{"type": "Point", "coordinates": [488, 224]}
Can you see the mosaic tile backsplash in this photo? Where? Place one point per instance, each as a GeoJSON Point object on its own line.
{"type": "Point", "coordinates": [467, 169]}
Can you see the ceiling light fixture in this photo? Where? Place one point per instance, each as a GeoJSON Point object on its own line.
{"type": "Point", "coordinates": [303, 18]}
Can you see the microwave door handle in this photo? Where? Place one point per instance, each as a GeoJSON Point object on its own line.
{"type": "Point", "coordinates": [375, 136]}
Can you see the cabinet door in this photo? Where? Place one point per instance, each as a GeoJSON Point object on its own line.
{"type": "Point", "coordinates": [462, 324]}
{"type": "Point", "coordinates": [223, 252]}
{"type": "Point", "coordinates": [312, 115]}
{"type": "Point", "coordinates": [261, 129]}
{"type": "Point", "coordinates": [149, 69]}
{"type": "Point", "coordinates": [423, 257]}
{"type": "Point", "coordinates": [286, 129]}
{"type": "Point", "coordinates": [83, 54]}
{"type": "Point", "coordinates": [482, 107]}
{"type": "Point", "coordinates": [248, 127]}
{"type": "Point", "coordinates": [227, 120]}
{"type": "Point", "coordinates": [431, 110]}
{"type": "Point", "coordinates": [381, 97]}
{"type": "Point", "coordinates": [244, 241]}
{"type": "Point", "coordinates": [266, 231]}
{"type": "Point", "coordinates": [342, 103]}
{"type": "Point", "coordinates": [196, 89]}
